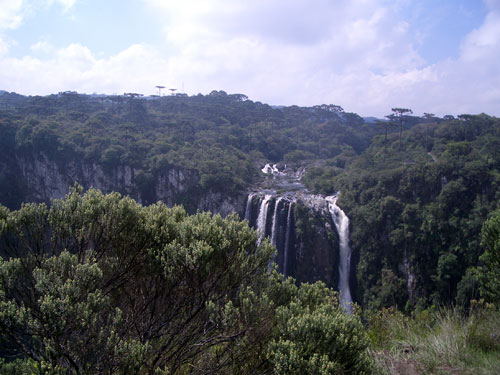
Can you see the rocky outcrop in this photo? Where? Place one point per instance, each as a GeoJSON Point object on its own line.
{"type": "Point", "coordinates": [40, 178]}
{"type": "Point", "coordinates": [299, 224]}
{"type": "Point", "coordinates": [224, 205]}
{"type": "Point", "coordinates": [45, 178]}
{"type": "Point", "coordinates": [301, 228]}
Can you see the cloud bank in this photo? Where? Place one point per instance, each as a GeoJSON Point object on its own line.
{"type": "Point", "coordinates": [360, 54]}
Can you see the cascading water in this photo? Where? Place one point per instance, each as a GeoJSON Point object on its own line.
{"type": "Point", "coordinates": [268, 169]}
{"type": "Point", "coordinates": [342, 224]}
{"type": "Point", "coordinates": [274, 228]}
{"type": "Point", "coordinates": [280, 230]}
{"type": "Point", "coordinates": [287, 239]}
{"type": "Point", "coordinates": [248, 208]}
{"type": "Point", "coordinates": [262, 218]}
{"type": "Point", "coordinates": [307, 255]}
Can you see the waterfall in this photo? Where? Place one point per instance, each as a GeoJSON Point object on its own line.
{"type": "Point", "coordinates": [274, 228]}
{"type": "Point", "coordinates": [307, 255]}
{"type": "Point", "coordinates": [268, 169]}
{"type": "Point", "coordinates": [248, 208]}
{"type": "Point", "coordinates": [287, 239]}
{"type": "Point", "coordinates": [262, 218]}
{"type": "Point", "coordinates": [342, 224]}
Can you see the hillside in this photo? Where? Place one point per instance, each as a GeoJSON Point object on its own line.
{"type": "Point", "coordinates": [416, 197]}
{"type": "Point", "coordinates": [220, 138]}
{"type": "Point", "coordinates": [417, 207]}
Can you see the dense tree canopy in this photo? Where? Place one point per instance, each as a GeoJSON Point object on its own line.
{"type": "Point", "coordinates": [489, 272]}
{"type": "Point", "coordinates": [223, 137]}
{"type": "Point", "coordinates": [417, 189]}
{"type": "Point", "coordinates": [417, 212]}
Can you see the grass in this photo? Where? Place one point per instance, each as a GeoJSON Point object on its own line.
{"type": "Point", "coordinates": [445, 341]}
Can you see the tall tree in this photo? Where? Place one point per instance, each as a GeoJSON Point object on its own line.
{"type": "Point", "coordinates": [400, 115]}
{"type": "Point", "coordinates": [390, 122]}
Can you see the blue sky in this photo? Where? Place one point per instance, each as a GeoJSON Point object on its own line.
{"type": "Point", "coordinates": [438, 56]}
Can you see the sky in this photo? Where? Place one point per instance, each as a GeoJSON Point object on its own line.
{"type": "Point", "coordinates": [368, 56]}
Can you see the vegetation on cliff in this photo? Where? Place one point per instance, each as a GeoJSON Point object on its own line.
{"type": "Point", "coordinates": [421, 194]}
{"type": "Point", "coordinates": [100, 284]}
{"type": "Point", "coordinates": [417, 212]}
{"type": "Point", "coordinates": [221, 137]}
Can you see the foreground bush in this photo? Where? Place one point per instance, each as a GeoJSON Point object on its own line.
{"type": "Point", "coordinates": [98, 284]}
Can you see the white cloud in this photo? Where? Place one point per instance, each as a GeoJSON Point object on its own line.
{"type": "Point", "coordinates": [359, 54]}
{"type": "Point", "coordinates": [288, 52]}
{"type": "Point", "coordinates": [10, 18]}
{"type": "Point", "coordinates": [4, 47]}
{"type": "Point", "coordinates": [10, 14]}
{"type": "Point", "coordinates": [65, 4]}
{"type": "Point", "coordinates": [42, 46]}
{"type": "Point", "coordinates": [13, 12]}
{"type": "Point", "coordinates": [484, 41]}
{"type": "Point", "coordinates": [76, 68]}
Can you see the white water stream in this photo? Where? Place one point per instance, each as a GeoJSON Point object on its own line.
{"type": "Point", "coordinates": [275, 221]}
{"type": "Point", "coordinates": [262, 218]}
{"type": "Point", "coordinates": [248, 208]}
{"type": "Point", "coordinates": [289, 181]}
{"type": "Point", "coordinates": [287, 240]}
{"type": "Point", "coordinates": [342, 223]}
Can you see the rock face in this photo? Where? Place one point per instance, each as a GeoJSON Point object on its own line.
{"type": "Point", "coordinates": [298, 223]}
{"type": "Point", "coordinates": [302, 228]}
{"type": "Point", "coordinates": [39, 179]}
{"type": "Point", "coordinates": [45, 179]}
{"type": "Point", "coordinates": [223, 205]}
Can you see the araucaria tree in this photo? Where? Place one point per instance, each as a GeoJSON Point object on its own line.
{"type": "Point", "coordinates": [98, 284]}
{"type": "Point", "coordinates": [399, 116]}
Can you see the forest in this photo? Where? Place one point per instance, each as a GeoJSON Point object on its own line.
{"type": "Point", "coordinates": [169, 290]}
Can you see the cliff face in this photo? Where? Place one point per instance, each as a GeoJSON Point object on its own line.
{"type": "Point", "coordinates": [317, 243]}
{"type": "Point", "coordinates": [37, 178]}
{"type": "Point", "coordinates": [297, 223]}
{"type": "Point", "coordinates": [300, 226]}
{"type": "Point", "coordinates": [45, 179]}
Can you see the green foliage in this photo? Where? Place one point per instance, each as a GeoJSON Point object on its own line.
{"type": "Point", "coordinates": [44, 138]}
{"type": "Point", "coordinates": [320, 179]}
{"type": "Point", "coordinates": [71, 326]}
{"type": "Point", "coordinates": [417, 190]}
{"type": "Point", "coordinates": [417, 212]}
{"type": "Point", "coordinates": [468, 288]}
{"type": "Point", "coordinates": [8, 135]}
{"type": "Point", "coordinates": [96, 307]}
{"type": "Point", "coordinates": [219, 137]}
{"type": "Point", "coordinates": [100, 284]}
{"type": "Point", "coordinates": [112, 156]}
{"type": "Point", "coordinates": [489, 273]}
{"type": "Point", "coordinates": [447, 274]}
{"type": "Point", "coordinates": [317, 337]}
